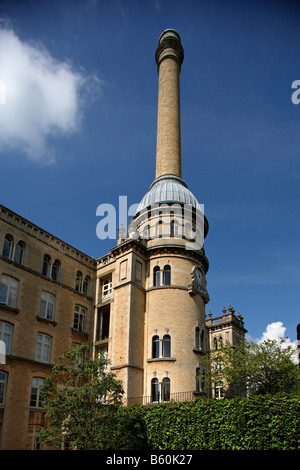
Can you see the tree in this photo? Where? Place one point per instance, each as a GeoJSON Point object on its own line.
{"type": "Point", "coordinates": [81, 399]}
{"type": "Point", "coordinates": [255, 368]}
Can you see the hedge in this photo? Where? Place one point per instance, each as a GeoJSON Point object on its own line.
{"type": "Point", "coordinates": [266, 422]}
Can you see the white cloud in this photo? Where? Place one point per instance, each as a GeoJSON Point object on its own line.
{"type": "Point", "coordinates": [42, 97]}
{"type": "Point", "coordinates": [276, 331]}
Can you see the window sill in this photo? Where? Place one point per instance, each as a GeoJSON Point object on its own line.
{"type": "Point", "coordinates": [199, 351]}
{"type": "Point", "coordinates": [162, 359]}
{"type": "Point", "coordinates": [81, 332]}
{"type": "Point", "coordinates": [9, 308]}
{"type": "Point", "coordinates": [45, 320]}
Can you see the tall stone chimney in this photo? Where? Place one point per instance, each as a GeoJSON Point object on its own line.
{"type": "Point", "coordinates": [169, 57]}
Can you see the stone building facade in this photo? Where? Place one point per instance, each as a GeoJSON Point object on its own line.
{"type": "Point", "coordinates": [143, 303]}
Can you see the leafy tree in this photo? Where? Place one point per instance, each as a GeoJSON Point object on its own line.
{"type": "Point", "coordinates": [81, 399]}
{"type": "Point", "coordinates": [255, 368]}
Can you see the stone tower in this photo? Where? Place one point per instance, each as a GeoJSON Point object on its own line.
{"type": "Point", "coordinates": [151, 288]}
{"type": "Point", "coordinates": [155, 318]}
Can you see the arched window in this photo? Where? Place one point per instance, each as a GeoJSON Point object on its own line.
{"type": "Point", "coordinates": [159, 229]}
{"type": "Point", "coordinates": [156, 276]}
{"type": "Point", "coordinates": [154, 390]}
{"type": "Point", "coordinates": [199, 339]}
{"type": "Point", "coordinates": [86, 285]}
{"type": "Point", "coordinates": [8, 247]}
{"type": "Point", "coordinates": [165, 389]}
{"type": "Point", "coordinates": [200, 380]}
{"type": "Point", "coordinates": [78, 284]}
{"type": "Point", "coordinates": [146, 232]}
{"type": "Point", "coordinates": [19, 248]}
{"type": "Point", "coordinates": [174, 228]}
{"type": "Point", "coordinates": [155, 346]}
{"type": "Point", "coordinates": [55, 270]}
{"type": "Point", "coordinates": [167, 275]}
{"type": "Point", "coordinates": [46, 265]}
{"type": "Point", "coordinates": [166, 346]}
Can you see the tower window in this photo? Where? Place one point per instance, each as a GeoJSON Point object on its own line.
{"type": "Point", "coordinates": [166, 346]}
{"type": "Point", "coordinates": [167, 275]}
{"type": "Point", "coordinates": [154, 390]}
{"type": "Point", "coordinates": [165, 389]}
{"type": "Point", "coordinates": [199, 339]}
{"type": "Point", "coordinates": [161, 347]}
{"type": "Point", "coordinates": [155, 346]}
{"type": "Point", "coordinates": [156, 276]}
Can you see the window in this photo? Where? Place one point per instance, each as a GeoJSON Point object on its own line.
{"type": "Point", "coordinates": [33, 439]}
{"type": "Point", "coordinates": [160, 391]}
{"type": "Point", "coordinates": [42, 349]}
{"type": "Point", "coordinates": [3, 382]}
{"type": "Point", "coordinates": [167, 275]}
{"type": "Point", "coordinates": [163, 276]}
{"type": "Point", "coordinates": [54, 270]}
{"type": "Point", "coordinates": [159, 229]}
{"type": "Point", "coordinates": [161, 348]}
{"type": "Point", "coordinates": [199, 339]}
{"type": "Point", "coordinates": [79, 318]}
{"type": "Point", "coordinates": [86, 285]}
{"type": "Point", "coordinates": [218, 343]}
{"type": "Point", "coordinates": [200, 380]}
{"type": "Point", "coordinates": [5, 335]}
{"type": "Point", "coordinates": [106, 288]}
{"type": "Point", "coordinates": [154, 390]}
{"type": "Point", "coordinates": [219, 391]}
{"type": "Point", "coordinates": [46, 265]}
{"type": "Point", "coordinates": [47, 306]}
{"type": "Point", "coordinates": [165, 389]}
{"type": "Point", "coordinates": [35, 397]}
{"type": "Point", "coordinates": [50, 269]}
{"type": "Point", "coordinates": [156, 276]}
{"type": "Point", "coordinates": [78, 284]}
{"type": "Point", "coordinates": [11, 250]}
{"type": "Point", "coordinates": [155, 346]}
{"type": "Point", "coordinates": [166, 346]}
{"type": "Point", "coordinates": [9, 291]}
{"type": "Point", "coordinates": [146, 232]}
{"type": "Point", "coordinates": [174, 228]}
{"type": "Point", "coordinates": [8, 247]}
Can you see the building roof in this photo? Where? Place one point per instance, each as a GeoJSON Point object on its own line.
{"type": "Point", "coordinates": [168, 189]}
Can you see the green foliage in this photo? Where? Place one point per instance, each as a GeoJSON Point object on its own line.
{"type": "Point", "coordinates": [77, 412]}
{"type": "Point", "coordinates": [255, 368]}
{"type": "Point", "coordinates": [81, 400]}
{"type": "Point", "coordinates": [253, 423]}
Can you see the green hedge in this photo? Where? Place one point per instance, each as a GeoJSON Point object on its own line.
{"type": "Point", "coordinates": [255, 423]}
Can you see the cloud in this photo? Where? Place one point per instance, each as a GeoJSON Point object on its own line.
{"type": "Point", "coordinates": [276, 331]}
{"type": "Point", "coordinates": [43, 97]}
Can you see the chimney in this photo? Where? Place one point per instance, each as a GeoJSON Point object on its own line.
{"type": "Point", "coordinates": [169, 57]}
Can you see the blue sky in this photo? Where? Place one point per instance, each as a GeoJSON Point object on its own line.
{"type": "Point", "coordinates": [78, 129]}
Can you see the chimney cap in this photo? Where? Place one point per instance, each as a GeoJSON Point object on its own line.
{"type": "Point", "coordinates": [169, 46]}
